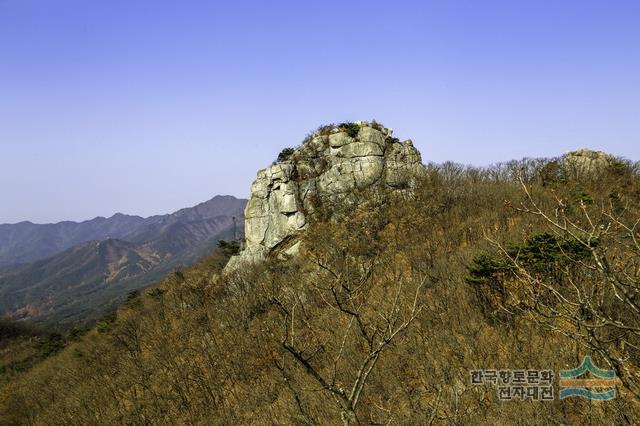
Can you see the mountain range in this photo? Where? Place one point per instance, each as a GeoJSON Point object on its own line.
{"type": "Point", "coordinates": [70, 274]}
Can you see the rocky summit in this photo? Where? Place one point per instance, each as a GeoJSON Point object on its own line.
{"type": "Point", "coordinates": [585, 162]}
{"type": "Point", "coordinates": [320, 178]}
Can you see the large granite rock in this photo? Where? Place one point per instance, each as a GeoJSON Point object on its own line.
{"type": "Point", "coordinates": [322, 178]}
{"type": "Point", "coordinates": [586, 163]}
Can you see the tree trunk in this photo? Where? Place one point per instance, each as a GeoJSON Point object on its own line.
{"type": "Point", "coordinates": [348, 417]}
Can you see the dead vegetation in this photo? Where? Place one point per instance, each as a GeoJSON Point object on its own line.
{"type": "Point", "coordinates": [380, 319]}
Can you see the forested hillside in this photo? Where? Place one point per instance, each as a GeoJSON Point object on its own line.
{"type": "Point", "coordinates": [380, 317]}
{"type": "Point", "coordinates": [88, 279]}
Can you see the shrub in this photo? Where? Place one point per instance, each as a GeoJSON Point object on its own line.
{"type": "Point", "coordinates": [229, 248]}
{"type": "Point", "coordinates": [51, 345]}
{"type": "Point", "coordinates": [133, 299]}
{"type": "Point", "coordinates": [541, 252]}
{"type": "Point", "coordinates": [156, 293]}
{"type": "Point", "coordinates": [377, 125]}
{"type": "Point", "coordinates": [322, 130]}
{"type": "Point", "coordinates": [390, 140]}
{"type": "Point", "coordinates": [132, 295]}
{"type": "Point", "coordinates": [544, 254]}
{"type": "Point", "coordinates": [350, 128]}
{"type": "Point", "coordinates": [285, 154]}
{"type": "Point", "coordinates": [106, 323]}
{"type": "Point", "coordinates": [582, 196]}
{"type": "Point", "coordinates": [551, 173]}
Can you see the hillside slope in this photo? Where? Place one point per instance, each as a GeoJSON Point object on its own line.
{"type": "Point", "coordinates": [380, 318]}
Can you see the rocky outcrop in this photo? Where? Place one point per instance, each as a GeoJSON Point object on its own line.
{"type": "Point", "coordinates": [586, 163]}
{"type": "Point", "coordinates": [323, 177]}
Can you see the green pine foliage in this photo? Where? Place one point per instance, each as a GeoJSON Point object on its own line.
{"type": "Point", "coordinates": [350, 128]}
{"type": "Point", "coordinates": [285, 154]}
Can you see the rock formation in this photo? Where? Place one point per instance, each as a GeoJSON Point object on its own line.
{"type": "Point", "coordinates": [320, 178]}
{"type": "Point", "coordinates": [585, 162]}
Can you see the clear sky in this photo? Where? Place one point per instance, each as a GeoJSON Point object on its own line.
{"type": "Point", "coordinates": [147, 106]}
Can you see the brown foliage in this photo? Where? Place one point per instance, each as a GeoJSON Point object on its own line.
{"type": "Point", "coordinates": [374, 323]}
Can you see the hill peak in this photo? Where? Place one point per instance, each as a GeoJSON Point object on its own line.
{"type": "Point", "coordinates": [321, 177]}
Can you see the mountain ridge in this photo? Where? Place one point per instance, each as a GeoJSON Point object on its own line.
{"type": "Point", "coordinates": [120, 214]}
{"type": "Point", "coordinates": [82, 282]}
{"type": "Point", "coordinates": [26, 241]}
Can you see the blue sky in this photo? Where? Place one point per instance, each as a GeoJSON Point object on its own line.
{"type": "Point", "coordinates": [145, 107]}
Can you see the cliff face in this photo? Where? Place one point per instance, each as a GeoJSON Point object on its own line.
{"type": "Point", "coordinates": [322, 178]}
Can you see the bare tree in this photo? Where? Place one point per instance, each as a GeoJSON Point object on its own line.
{"type": "Point", "coordinates": [592, 295]}
{"type": "Point", "coordinates": [338, 329]}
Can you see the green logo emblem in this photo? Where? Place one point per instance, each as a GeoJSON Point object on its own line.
{"type": "Point", "coordinates": [602, 380]}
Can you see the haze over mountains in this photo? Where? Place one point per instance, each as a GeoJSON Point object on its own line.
{"type": "Point", "coordinates": [25, 241]}
{"type": "Point", "coordinates": [71, 273]}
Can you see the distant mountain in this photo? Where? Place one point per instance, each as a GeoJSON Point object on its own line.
{"type": "Point", "coordinates": [83, 282]}
{"type": "Point", "coordinates": [26, 242]}
{"type": "Point", "coordinates": [214, 209]}
{"type": "Point", "coordinates": [69, 278]}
